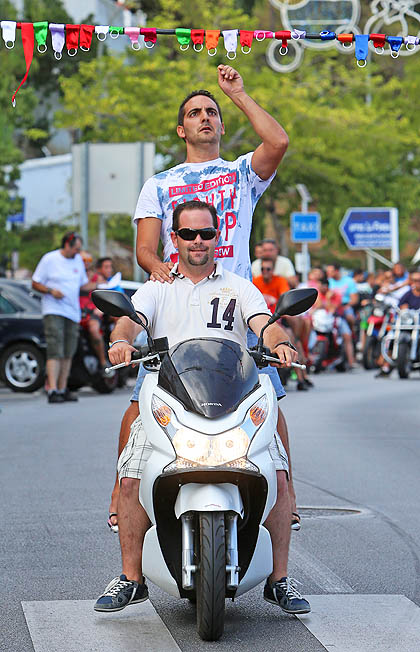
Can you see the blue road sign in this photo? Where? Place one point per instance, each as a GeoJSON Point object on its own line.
{"type": "Point", "coordinates": [370, 228]}
{"type": "Point", "coordinates": [17, 218]}
{"type": "Point", "coordinates": [305, 227]}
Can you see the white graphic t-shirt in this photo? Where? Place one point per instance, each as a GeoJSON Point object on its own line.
{"type": "Point", "coordinates": [231, 186]}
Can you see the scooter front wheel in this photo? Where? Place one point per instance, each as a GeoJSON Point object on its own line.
{"type": "Point", "coordinates": [211, 575]}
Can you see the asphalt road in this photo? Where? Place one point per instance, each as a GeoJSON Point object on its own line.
{"type": "Point", "coordinates": [355, 449]}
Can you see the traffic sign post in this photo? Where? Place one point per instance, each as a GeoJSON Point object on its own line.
{"type": "Point", "coordinates": [305, 228]}
{"type": "Point", "coordinates": [371, 228]}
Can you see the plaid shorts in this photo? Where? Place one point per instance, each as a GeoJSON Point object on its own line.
{"type": "Point", "coordinates": [138, 449]}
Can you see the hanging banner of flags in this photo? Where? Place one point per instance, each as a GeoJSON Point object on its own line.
{"type": "Point", "coordinates": [73, 37]}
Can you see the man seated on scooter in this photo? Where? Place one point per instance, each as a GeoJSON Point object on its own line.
{"type": "Point", "coordinates": [187, 309]}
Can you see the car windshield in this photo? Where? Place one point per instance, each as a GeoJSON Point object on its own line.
{"type": "Point", "coordinates": [209, 376]}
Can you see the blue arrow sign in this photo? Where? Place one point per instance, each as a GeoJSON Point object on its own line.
{"type": "Point", "coordinates": [370, 228]}
{"type": "Point", "coordinates": [305, 227]}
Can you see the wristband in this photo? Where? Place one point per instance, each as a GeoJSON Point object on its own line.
{"type": "Point", "coordinates": [286, 343]}
{"type": "Point", "coordinates": [116, 341]}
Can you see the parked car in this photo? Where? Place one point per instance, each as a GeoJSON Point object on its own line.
{"type": "Point", "coordinates": [22, 342]}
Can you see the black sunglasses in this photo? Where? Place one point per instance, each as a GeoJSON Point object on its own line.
{"type": "Point", "coordinates": [190, 234]}
{"type": "Point", "coordinates": [266, 269]}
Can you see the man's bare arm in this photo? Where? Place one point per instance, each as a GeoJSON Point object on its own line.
{"type": "Point", "coordinates": [125, 329]}
{"type": "Point", "coordinates": [148, 234]}
{"type": "Point", "coordinates": [275, 141]}
{"type": "Point", "coordinates": [44, 289]}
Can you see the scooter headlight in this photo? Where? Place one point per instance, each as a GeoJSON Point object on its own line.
{"type": "Point", "coordinates": [407, 318]}
{"type": "Point", "coordinates": [210, 450]}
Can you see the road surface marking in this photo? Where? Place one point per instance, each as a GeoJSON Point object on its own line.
{"type": "Point", "coordinates": [73, 626]}
{"type": "Point", "coordinates": [364, 623]}
{"type": "Point", "coordinates": [323, 576]}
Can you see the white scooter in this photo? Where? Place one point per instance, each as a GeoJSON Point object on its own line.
{"type": "Point", "coordinates": [210, 482]}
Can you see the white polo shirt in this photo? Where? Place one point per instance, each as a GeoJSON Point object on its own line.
{"type": "Point", "coordinates": [220, 305]}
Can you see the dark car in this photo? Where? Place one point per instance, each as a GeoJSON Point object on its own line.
{"type": "Point", "coordinates": [22, 342]}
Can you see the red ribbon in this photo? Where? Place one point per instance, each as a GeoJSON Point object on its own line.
{"type": "Point", "coordinates": [28, 50]}
{"type": "Point", "coordinates": [86, 33]}
{"type": "Point", "coordinates": [72, 37]}
{"type": "Point", "coordinates": [149, 34]}
{"type": "Point", "coordinates": [379, 40]}
{"type": "Point", "coordinates": [246, 38]}
{"type": "Point", "coordinates": [283, 36]}
{"type": "Point", "coordinates": [197, 36]}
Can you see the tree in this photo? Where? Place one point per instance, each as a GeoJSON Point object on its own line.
{"type": "Point", "coordinates": [354, 134]}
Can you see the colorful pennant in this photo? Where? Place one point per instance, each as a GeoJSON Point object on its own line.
{"type": "Point", "coordinates": [80, 36]}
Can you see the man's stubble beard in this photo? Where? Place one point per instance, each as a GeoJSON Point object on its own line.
{"type": "Point", "coordinates": [197, 263]}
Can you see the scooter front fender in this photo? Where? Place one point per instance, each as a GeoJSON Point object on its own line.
{"type": "Point", "coordinates": [194, 497]}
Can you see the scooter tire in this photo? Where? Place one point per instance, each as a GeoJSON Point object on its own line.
{"type": "Point", "coordinates": [105, 385]}
{"type": "Point", "coordinates": [319, 353]}
{"type": "Point", "coordinates": [403, 360]}
{"type": "Point", "coordinates": [211, 575]}
{"type": "Point", "coordinates": [371, 352]}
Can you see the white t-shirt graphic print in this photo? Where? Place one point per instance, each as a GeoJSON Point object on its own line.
{"type": "Point", "coordinates": [231, 186]}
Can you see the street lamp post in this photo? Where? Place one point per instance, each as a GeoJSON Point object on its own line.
{"type": "Point", "coordinates": [305, 199]}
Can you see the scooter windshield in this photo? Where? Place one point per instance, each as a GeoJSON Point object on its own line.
{"type": "Point", "coordinates": [208, 376]}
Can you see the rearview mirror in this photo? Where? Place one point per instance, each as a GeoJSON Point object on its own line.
{"type": "Point", "coordinates": [115, 303]}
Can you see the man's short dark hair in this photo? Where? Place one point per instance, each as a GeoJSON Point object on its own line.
{"type": "Point", "coordinates": [101, 261]}
{"type": "Point", "coordinates": [336, 266]}
{"type": "Point", "coordinates": [270, 241]}
{"type": "Point", "coordinates": [181, 111]}
{"type": "Point", "coordinates": [70, 238]}
{"type": "Point", "coordinates": [267, 260]}
{"type": "Point", "coordinates": [190, 206]}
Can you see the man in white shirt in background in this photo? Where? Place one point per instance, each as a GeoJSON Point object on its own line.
{"type": "Point", "coordinates": [282, 266]}
{"type": "Point", "coordinates": [59, 277]}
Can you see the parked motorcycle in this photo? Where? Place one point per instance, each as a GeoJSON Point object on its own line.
{"type": "Point", "coordinates": [401, 346]}
{"type": "Point", "coordinates": [210, 482]}
{"type": "Point", "coordinates": [378, 324]}
{"type": "Point", "coordinates": [328, 351]}
{"type": "Point", "coordinates": [86, 368]}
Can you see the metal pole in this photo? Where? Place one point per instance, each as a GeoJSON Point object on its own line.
{"type": "Point", "coordinates": [138, 273]}
{"type": "Point", "coordinates": [395, 252]}
{"type": "Point", "coordinates": [370, 261]}
{"type": "Point", "coordinates": [102, 235]}
{"type": "Point", "coordinates": [304, 209]}
{"type": "Point", "coordinates": [305, 197]}
{"type": "Point", "coordinates": [84, 191]}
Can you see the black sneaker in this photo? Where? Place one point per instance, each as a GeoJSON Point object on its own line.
{"type": "Point", "coordinates": [285, 594]}
{"type": "Point", "coordinates": [55, 397]}
{"type": "Point", "coordinates": [308, 382]}
{"type": "Point", "coordinates": [301, 387]}
{"type": "Point", "coordinates": [70, 396]}
{"type": "Point", "coordinates": [119, 593]}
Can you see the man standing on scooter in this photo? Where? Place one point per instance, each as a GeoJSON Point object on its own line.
{"type": "Point", "coordinates": [203, 300]}
{"type": "Point", "coordinates": [234, 188]}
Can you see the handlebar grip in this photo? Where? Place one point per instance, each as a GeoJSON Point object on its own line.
{"type": "Point", "coordinates": [140, 353]}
